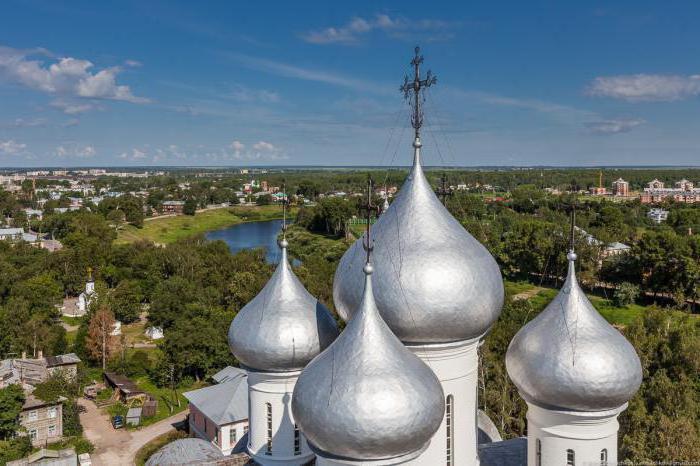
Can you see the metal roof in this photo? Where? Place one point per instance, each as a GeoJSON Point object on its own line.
{"type": "Point", "coordinates": [511, 452]}
{"type": "Point", "coordinates": [223, 403]}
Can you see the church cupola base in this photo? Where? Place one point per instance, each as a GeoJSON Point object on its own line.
{"type": "Point", "coordinates": [456, 367]}
{"type": "Point", "coordinates": [408, 459]}
{"type": "Point", "coordinates": [273, 438]}
{"type": "Point", "coordinates": [571, 438]}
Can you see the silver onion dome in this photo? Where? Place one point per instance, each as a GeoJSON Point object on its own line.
{"type": "Point", "coordinates": [569, 357]}
{"type": "Point", "coordinates": [435, 282]}
{"type": "Point", "coordinates": [283, 327]}
{"type": "Point", "coordinates": [367, 397]}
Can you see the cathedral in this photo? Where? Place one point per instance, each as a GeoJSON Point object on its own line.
{"type": "Point", "coordinates": [398, 386]}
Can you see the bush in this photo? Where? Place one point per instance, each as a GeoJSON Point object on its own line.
{"type": "Point", "coordinates": [14, 449]}
{"type": "Point", "coordinates": [625, 294]}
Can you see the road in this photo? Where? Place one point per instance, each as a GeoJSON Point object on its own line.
{"type": "Point", "coordinates": [118, 447]}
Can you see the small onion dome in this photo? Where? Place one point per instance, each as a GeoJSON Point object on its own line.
{"type": "Point", "coordinates": [367, 397]}
{"type": "Point", "coordinates": [570, 358]}
{"type": "Point", "coordinates": [283, 327]}
{"type": "Point", "coordinates": [435, 282]}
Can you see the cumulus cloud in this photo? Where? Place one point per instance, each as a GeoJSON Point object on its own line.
{"type": "Point", "coordinates": [264, 146]}
{"type": "Point", "coordinates": [134, 154]}
{"type": "Point", "coordinates": [72, 107]}
{"type": "Point", "coordinates": [646, 87]}
{"type": "Point", "coordinates": [70, 77]}
{"type": "Point", "coordinates": [133, 63]}
{"type": "Point", "coordinates": [73, 150]}
{"type": "Point", "coordinates": [11, 147]}
{"type": "Point", "coordinates": [397, 27]}
{"type": "Point", "coordinates": [613, 126]}
{"type": "Point", "coordinates": [237, 147]}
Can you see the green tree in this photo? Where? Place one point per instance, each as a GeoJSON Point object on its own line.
{"type": "Point", "coordinates": [125, 301]}
{"type": "Point", "coordinates": [190, 207]}
{"type": "Point", "coordinates": [11, 401]}
{"type": "Point", "coordinates": [625, 294]}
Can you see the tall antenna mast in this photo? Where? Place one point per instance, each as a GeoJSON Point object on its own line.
{"type": "Point", "coordinates": [413, 89]}
{"type": "Point", "coordinates": [284, 210]}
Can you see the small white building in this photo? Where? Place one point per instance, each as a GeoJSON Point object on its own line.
{"type": "Point", "coordinates": [116, 329]}
{"type": "Point", "coordinates": [658, 215]}
{"type": "Point", "coordinates": [154, 333]}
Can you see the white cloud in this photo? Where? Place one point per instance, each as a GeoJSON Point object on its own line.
{"type": "Point", "coordinates": [68, 76]}
{"type": "Point", "coordinates": [10, 147]}
{"type": "Point", "coordinates": [398, 28]}
{"type": "Point", "coordinates": [73, 150]}
{"type": "Point", "coordinates": [135, 154]}
{"type": "Point", "coordinates": [263, 146]}
{"type": "Point", "coordinates": [613, 126]}
{"type": "Point", "coordinates": [297, 72]}
{"type": "Point", "coordinates": [133, 63]}
{"type": "Point", "coordinates": [25, 123]}
{"type": "Point", "coordinates": [237, 147]}
{"type": "Point", "coordinates": [244, 94]}
{"type": "Point", "coordinates": [72, 107]}
{"type": "Point", "coordinates": [646, 87]}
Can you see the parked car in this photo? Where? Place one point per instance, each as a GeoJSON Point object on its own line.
{"type": "Point", "coordinates": [118, 422]}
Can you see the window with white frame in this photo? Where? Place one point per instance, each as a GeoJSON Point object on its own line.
{"type": "Point", "coordinates": [604, 457]}
{"type": "Point", "coordinates": [570, 458]}
{"type": "Point", "coordinates": [232, 436]}
{"type": "Point", "coordinates": [33, 415]}
{"type": "Point", "coordinates": [32, 434]}
{"type": "Point", "coordinates": [52, 431]}
{"type": "Point", "coordinates": [52, 412]}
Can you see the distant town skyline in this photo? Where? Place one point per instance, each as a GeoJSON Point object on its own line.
{"type": "Point", "coordinates": [259, 84]}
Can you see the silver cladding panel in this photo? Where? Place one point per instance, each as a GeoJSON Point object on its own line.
{"type": "Point", "coordinates": [367, 397]}
{"type": "Point", "coordinates": [283, 327]}
{"type": "Point", "coordinates": [435, 283]}
{"type": "Point", "coordinates": [570, 358]}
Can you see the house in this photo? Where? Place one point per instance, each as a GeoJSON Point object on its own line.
{"type": "Point", "coordinates": [658, 215]}
{"type": "Point", "coordinates": [42, 420]}
{"type": "Point", "coordinates": [124, 389]}
{"type": "Point", "coordinates": [219, 413]}
{"type": "Point", "coordinates": [11, 234]}
{"type": "Point", "coordinates": [173, 207]}
{"type": "Point", "coordinates": [32, 371]}
{"type": "Point", "coordinates": [154, 333]}
{"type": "Point", "coordinates": [46, 457]}
{"type": "Point", "coordinates": [65, 363]}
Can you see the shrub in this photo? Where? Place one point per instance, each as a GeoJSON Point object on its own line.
{"type": "Point", "coordinates": [625, 294]}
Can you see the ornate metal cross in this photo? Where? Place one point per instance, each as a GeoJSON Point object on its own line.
{"type": "Point", "coordinates": [444, 191]}
{"type": "Point", "coordinates": [368, 208]}
{"type": "Point", "coordinates": [415, 87]}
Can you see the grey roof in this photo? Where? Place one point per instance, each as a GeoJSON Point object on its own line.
{"type": "Point", "coordinates": [617, 245]}
{"type": "Point", "coordinates": [223, 403]}
{"type": "Point", "coordinates": [184, 452]}
{"type": "Point", "coordinates": [228, 373]}
{"type": "Point", "coordinates": [511, 452]}
{"type": "Point", "coordinates": [62, 359]}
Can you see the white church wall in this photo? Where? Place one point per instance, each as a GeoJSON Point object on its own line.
{"type": "Point", "coordinates": [456, 366]}
{"type": "Point", "coordinates": [556, 437]}
{"type": "Point", "coordinates": [276, 390]}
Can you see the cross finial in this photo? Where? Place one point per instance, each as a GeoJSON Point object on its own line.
{"type": "Point", "coordinates": [368, 208]}
{"type": "Point", "coordinates": [414, 88]}
{"type": "Point", "coordinates": [444, 191]}
{"type": "Point", "coordinates": [285, 200]}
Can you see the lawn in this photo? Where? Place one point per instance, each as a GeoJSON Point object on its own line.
{"type": "Point", "coordinates": [514, 288]}
{"type": "Point", "coordinates": [170, 229]}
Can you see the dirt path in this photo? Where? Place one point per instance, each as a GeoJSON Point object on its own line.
{"type": "Point", "coordinates": [118, 447]}
{"type": "Point", "coordinates": [528, 293]}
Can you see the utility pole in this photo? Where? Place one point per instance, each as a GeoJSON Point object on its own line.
{"type": "Point", "coordinates": [368, 208]}
{"type": "Point", "coordinates": [444, 190]}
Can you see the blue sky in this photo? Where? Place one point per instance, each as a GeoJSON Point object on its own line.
{"type": "Point", "coordinates": [316, 83]}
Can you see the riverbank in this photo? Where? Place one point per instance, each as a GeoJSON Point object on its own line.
{"type": "Point", "coordinates": [169, 229]}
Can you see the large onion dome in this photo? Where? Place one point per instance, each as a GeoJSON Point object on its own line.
{"type": "Point", "coordinates": [283, 327]}
{"type": "Point", "coordinates": [367, 397]}
{"type": "Point", "coordinates": [435, 282]}
{"type": "Point", "coordinates": [570, 358]}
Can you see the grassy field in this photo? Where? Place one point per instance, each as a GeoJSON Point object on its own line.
{"type": "Point", "coordinates": [170, 229]}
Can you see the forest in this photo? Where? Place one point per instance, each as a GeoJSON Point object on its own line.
{"type": "Point", "coordinates": [193, 288]}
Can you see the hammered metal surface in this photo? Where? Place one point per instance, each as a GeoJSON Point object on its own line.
{"type": "Point", "coordinates": [283, 327]}
{"type": "Point", "coordinates": [570, 358]}
{"type": "Point", "coordinates": [367, 397]}
{"type": "Point", "coordinates": [435, 283]}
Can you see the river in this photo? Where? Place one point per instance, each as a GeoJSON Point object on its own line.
{"type": "Point", "coordinates": [251, 235]}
